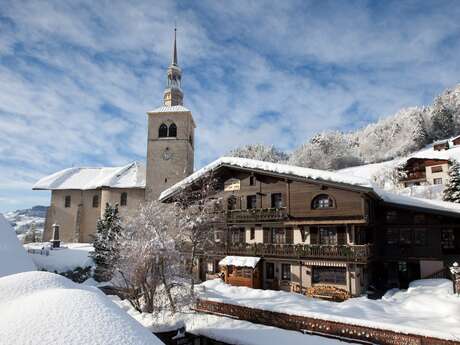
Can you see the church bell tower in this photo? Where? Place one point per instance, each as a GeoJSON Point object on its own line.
{"type": "Point", "coordinates": [171, 130]}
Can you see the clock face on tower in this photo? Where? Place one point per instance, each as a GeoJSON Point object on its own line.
{"type": "Point", "coordinates": [167, 154]}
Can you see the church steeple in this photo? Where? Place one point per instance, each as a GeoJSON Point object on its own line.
{"type": "Point", "coordinates": [173, 94]}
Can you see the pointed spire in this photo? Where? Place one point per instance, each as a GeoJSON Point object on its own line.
{"type": "Point", "coordinates": [174, 61]}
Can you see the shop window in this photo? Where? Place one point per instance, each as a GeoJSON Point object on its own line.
{"type": "Point", "coordinates": [286, 272]}
{"type": "Point", "coordinates": [270, 270]}
{"type": "Point", "coordinates": [329, 275]}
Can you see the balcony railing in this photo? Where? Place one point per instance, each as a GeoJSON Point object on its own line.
{"type": "Point", "coordinates": [340, 252]}
{"type": "Point", "coordinates": [256, 215]}
{"type": "Point", "coordinates": [414, 175]}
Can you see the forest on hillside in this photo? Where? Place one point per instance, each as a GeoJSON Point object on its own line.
{"type": "Point", "coordinates": [408, 130]}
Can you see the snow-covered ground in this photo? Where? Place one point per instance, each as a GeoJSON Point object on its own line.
{"type": "Point", "coordinates": [428, 307]}
{"type": "Point", "coordinates": [68, 257]}
{"type": "Point", "coordinates": [13, 258]}
{"type": "Point", "coordinates": [46, 308]}
{"type": "Point", "coordinates": [223, 328]}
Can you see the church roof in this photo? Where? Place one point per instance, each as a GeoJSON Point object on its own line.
{"type": "Point", "coordinates": [170, 109]}
{"type": "Point", "coordinates": [129, 176]}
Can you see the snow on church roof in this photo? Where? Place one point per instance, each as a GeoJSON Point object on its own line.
{"type": "Point", "coordinates": [311, 174]}
{"type": "Point", "coordinates": [170, 109]}
{"type": "Point", "coordinates": [128, 176]}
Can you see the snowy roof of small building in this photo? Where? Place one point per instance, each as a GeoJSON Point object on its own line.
{"type": "Point", "coordinates": [284, 169]}
{"type": "Point", "coordinates": [170, 109]}
{"type": "Point", "coordinates": [129, 176]}
{"type": "Point", "coordinates": [240, 261]}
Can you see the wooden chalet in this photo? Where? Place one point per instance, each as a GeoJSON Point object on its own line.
{"type": "Point", "coordinates": [322, 233]}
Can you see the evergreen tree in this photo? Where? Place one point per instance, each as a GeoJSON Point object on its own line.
{"type": "Point", "coordinates": [106, 243]}
{"type": "Point", "coordinates": [452, 189]}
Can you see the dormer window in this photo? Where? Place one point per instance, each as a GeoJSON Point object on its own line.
{"type": "Point", "coordinates": [163, 131]}
{"type": "Point", "coordinates": [322, 201]}
{"type": "Point", "coordinates": [172, 133]}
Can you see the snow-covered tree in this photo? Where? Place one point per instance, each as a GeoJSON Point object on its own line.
{"type": "Point", "coordinates": [443, 124]}
{"type": "Point", "coordinates": [150, 264]}
{"type": "Point", "coordinates": [260, 152]}
{"type": "Point", "coordinates": [201, 214]}
{"type": "Point", "coordinates": [452, 188]}
{"type": "Point", "coordinates": [31, 234]}
{"type": "Point", "coordinates": [388, 178]}
{"type": "Point", "coordinates": [106, 243]}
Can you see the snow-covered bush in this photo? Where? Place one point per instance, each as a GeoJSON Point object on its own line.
{"type": "Point", "coordinates": [260, 152]}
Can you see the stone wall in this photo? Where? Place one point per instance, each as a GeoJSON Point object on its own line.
{"type": "Point", "coordinates": [302, 323]}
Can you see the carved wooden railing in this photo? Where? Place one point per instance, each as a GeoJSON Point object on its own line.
{"type": "Point", "coordinates": [256, 215]}
{"type": "Point", "coordinates": [340, 252]}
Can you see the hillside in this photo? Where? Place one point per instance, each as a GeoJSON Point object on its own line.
{"type": "Point", "coordinates": [22, 220]}
{"type": "Point", "coordinates": [407, 131]}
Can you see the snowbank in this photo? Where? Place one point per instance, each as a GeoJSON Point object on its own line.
{"type": "Point", "coordinates": [428, 307]}
{"type": "Point", "coordinates": [128, 176]}
{"type": "Point", "coordinates": [240, 261]}
{"type": "Point", "coordinates": [13, 258]}
{"type": "Point", "coordinates": [67, 258]}
{"type": "Point", "coordinates": [45, 308]}
{"type": "Point", "coordinates": [223, 328]}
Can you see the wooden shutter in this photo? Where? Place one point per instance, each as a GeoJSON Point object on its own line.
{"type": "Point", "coordinates": [266, 235]}
{"type": "Point", "coordinates": [313, 235]}
{"type": "Point", "coordinates": [289, 236]}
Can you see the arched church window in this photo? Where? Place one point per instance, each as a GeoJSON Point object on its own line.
{"type": "Point", "coordinates": [124, 199]}
{"type": "Point", "coordinates": [163, 131]}
{"type": "Point", "coordinates": [172, 130]}
{"type": "Point", "coordinates": [322, 201]}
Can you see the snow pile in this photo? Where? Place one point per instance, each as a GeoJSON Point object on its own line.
{"type": "Point", "coordinates": [13, 258]}
{"type": "Point", "coordinates": [221, 328]}
{"type": "Point", "coordinates": [67, 258]}
{"type": "Point", "coordinates": [128, 176]}
{"type": "Point", "coordinates": [284, 169]}
{"type": "Point", "coordinates": [240, 261]}
{"type": "Point", "coordinates": [45, 308]}
{"type": "Point", "coordinates": [428, 307]}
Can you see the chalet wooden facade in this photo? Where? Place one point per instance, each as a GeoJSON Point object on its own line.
{"type": "Point", "coordinates": [316, 234]}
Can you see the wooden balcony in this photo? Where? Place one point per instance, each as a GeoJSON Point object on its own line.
{"type": "Point", "coordinates": [414, 175]}
{"type": "Point", "coordinates": [336, 252]}
{"type": "Point", "coordinates": [256, 215]}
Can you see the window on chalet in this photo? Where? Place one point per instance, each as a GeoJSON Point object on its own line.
{"type": "Point", "coordinates": [67, 201]}
{"type": "Point", "coordinates": [163, 131]}
{"type": "Point", "coordinates": [96, 201]}
{"type": "Point", "coordinates": [436, 169]}
{"type": "Point", "coordinates": [172, 131]}
{"type": "Point", "coordinates": [277, 200]}
{"type": "Point", "coordinates": [238, 236]}
{"type": "Point", "coordinates": [210, 267]}
{"type": "Point", "coordinates": [251, 202]}
{"type": "Point", "coordinates": [219, 235]}
{"type": "Point", "coordinates": [270, 270]}
{"type": "Point", "coordinates": [286, 272]}
{"type": "Point", "coordinates": [252, 233]}
{"type": "Point", "coordinates": [322, 201]}
{"type": "Point", "coordinates": [252, 180]}
{"type": "Point", "coordinates": [420, 237]}
{"type": "Point", "coordinates": [231, 203]}
{"type": "Point", "coordinates": [447, 239]}
{"type": "Point", "coordinates": [329, 275]}
{"type": "Point", "coordinates": [405, 236]}
{"type": "Point", "coordinates": [124, 199]}
{"type": "Point", "coordinates": [392, 216]}
{"type": "Point", "coordinates": [419, 219]}
{"type": "Point", "coordinates": [437, 180]}
{"type": "Point", "coordinates": [392, 236]}
{"type": "Point", "coordinates": [328, 236]}
{"type": "Point", "coordinates": [278, 236]}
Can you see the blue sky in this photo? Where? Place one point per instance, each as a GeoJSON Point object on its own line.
{"type": "Point", "coordinates": [77, 77]}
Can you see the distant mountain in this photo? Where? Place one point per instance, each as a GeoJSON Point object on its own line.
{"type": "Point", "coordinates": [22, 220]}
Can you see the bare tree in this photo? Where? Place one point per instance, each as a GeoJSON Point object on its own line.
{"type": "Point", "coordinates": [200, 214]}
{"type": "Point", "coordinates": [150, 262]}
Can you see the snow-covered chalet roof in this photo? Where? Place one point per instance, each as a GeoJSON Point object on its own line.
{"type": "Point", "coordinates": [316, 175]}
{"type": "Point", "coordinates": [240, 261]}
{"type": "Point", "coordinates": [170, 109]}
{"type": "Point", "coordinates": [128, 176]}
{"type": "Point", "coordinates": [284, 169]}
